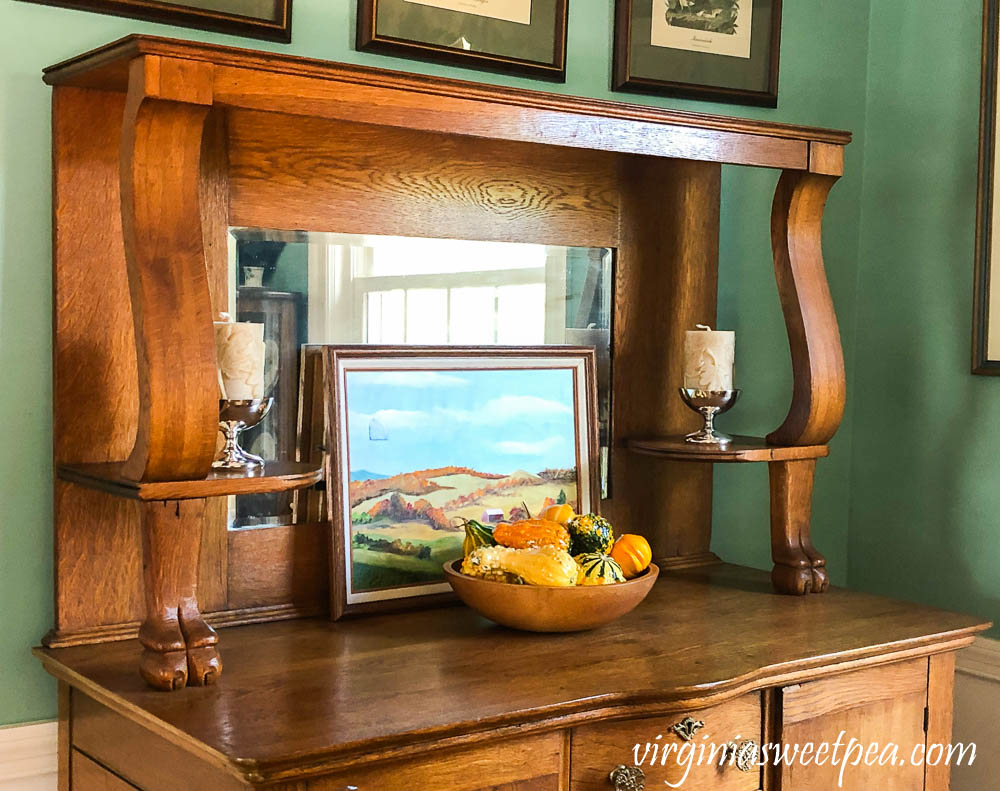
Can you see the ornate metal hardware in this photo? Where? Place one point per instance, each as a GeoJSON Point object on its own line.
{"type": "Point", "coordinates": [687, 728]}
{"type": "Point", "coordinates": [744, 756]}
{"type": "Point", "coordinates": [628, 778]}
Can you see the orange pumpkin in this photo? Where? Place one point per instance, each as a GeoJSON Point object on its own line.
{"type": "Point", "coordinates": [560, 513]}
{"type": "Point", "coordinates": [529, 533]}
{"type": "Point", "coordinates": [633, 554]}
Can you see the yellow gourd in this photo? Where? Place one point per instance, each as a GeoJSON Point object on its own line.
{"type": "Point", "coordinates": [538, 566]}
{"type": "Point", "coordinates": [561, 513]}
{"type": "Point", "coordinates": [633, 554]}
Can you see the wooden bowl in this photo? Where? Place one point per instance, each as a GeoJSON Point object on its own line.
{"type": "Point", "coordinates": [541, 608]}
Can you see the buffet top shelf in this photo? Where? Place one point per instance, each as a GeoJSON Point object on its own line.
{"type": "Point", "coordinates": [240, 78]}
{"type": "Point", "coordinates": [277, 476]}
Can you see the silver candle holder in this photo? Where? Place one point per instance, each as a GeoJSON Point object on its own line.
{"type": "Point", "coordinates": [235, 416]}
{"type": "Point", "coordinates": [709, 403]}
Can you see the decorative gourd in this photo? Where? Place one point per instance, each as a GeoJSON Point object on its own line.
{"type": "Point", "coordinates": [536, 566]}
{"type": "Point", "coordinates": [598, 569]}
{"type": "Point", "coordinates": [560, 512]}
{"type": "Point", "coordinates": [633, 554]}
{"type": "Point", "coordinates": [590, 533]}
{"type": "Point", "coordinates": [531, 533]}
{"type": "Point", "coordinates": [476, 535]}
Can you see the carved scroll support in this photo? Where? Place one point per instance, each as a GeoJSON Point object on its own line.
{"type": "Point", "coordinates": [165, 142]}
{"type": "Point", "coordinates": [161, 154]}
{"type": "Point", "coordinates": [819, 389]}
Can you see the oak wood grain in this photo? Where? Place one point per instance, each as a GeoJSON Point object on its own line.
{"type": "Point", "coordinates": [89, 775]}
{"type": "Point", "coordinates": [180, 647]}
{"type": "Point", "coordinates": [799, 568]}
{"type": "Point", "coordinates": [940, 717]}
{"type": "Point", "coordinates": [597, 749]}
{"type": "Point", "coordinates": [64, 739]}
{"type": "Point", "coordinates": [277, 476]}
{"type": "Point", "coordinates": [848, 691]}
{"type": "Point", "coordinates": [667, 278]}
{"type": "Point", "coordinates": [161, 177]}
{"type": "Point", "coordinates": [280, 565]}
{"type": "Point", "coordinates": [141, 755]}
{"type": "Point", "coordinates": [105, 66]}
{"type": "Point", "coordinates": [869, 716]}
{"type": "Point", "coordinates": [409, 183]}
{"type": "Point", "coordinates": [741, 449]}
{"type": "Point", "coordinates": [819, 381]}
{"type": "Point", "coordinates": [315, 682]}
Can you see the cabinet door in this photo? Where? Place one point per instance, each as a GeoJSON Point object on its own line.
{"type": "Point", "coordinates": [868, 711]}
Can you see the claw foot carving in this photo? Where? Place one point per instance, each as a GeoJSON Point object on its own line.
{"type": "Point", "coordinates": [180, 647]}
{"type": "Point", "coordinates": [799, 568]}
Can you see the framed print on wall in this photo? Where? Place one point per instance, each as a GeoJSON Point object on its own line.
{"type": "Point", "coordinates": [423, 438]}
{"type": "Point", "coordinates": [719, 50]}
{"type": "Point", "coordinates": [986, 296]}
{"type": "Point", "coordinates": [264, 19]}
{"type": "Point", "coordinates": [519, 36]}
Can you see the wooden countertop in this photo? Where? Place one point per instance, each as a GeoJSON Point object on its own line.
{"type": "Point", "coordinates": [318, 694]}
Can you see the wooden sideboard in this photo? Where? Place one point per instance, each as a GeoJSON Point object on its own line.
{"type": "Point", "coordinates": [442, 699]}
{"type": "Point", "coordinates": [159, 146]}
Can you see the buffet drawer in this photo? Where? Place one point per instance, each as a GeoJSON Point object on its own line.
{"type": "Point", "coordinates": [597, 749]}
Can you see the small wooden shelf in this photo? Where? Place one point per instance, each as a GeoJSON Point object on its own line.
{"type": "Point", "coordinates": [741, 449]}
{"type": "Point", "coordinates": [277, 476]}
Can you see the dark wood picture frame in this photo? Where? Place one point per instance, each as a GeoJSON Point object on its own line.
{"type": "Point", "coordinates": [981, 362]}
{"type": "Point", "coordinates": [177, 12]}
{"type": "Point", "coordinates": [624, 78]}
{"type": "Point", "coordinates": [368, 39]}
{"type": "Point", "coordinates": [336, 443]}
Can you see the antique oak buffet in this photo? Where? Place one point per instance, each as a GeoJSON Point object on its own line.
{"type": "Point", "coordinates": [158, 147]}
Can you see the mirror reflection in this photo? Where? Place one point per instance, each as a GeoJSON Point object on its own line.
{"type": "Point", "coordinates": [308, 287]}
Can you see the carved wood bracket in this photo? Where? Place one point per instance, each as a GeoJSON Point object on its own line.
{"type": "Point", "coordinates": [161, 152]}
{"type": "Point", "coordinates": [819, 390]}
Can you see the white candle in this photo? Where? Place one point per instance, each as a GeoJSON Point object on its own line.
{"type": "Point", "coordinates": [708, 358]}
{"type": "Point", "coordinates": [239, 350]}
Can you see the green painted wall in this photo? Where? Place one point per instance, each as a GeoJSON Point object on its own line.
{"type": "Point", "coordinates": [924, 493]}
{"type": "Point", "coordinates": [823, 72]}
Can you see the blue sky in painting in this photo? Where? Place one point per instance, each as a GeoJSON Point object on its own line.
{"type": "Point", "coordinates": [491, 421]}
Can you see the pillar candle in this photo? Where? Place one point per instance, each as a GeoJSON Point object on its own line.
{"type": "Point", "coordinates": [239, 350]}
{"type": "Point", "coordinates": [708, 358]}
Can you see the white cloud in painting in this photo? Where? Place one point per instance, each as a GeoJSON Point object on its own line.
{"type": "Point", "coordinates": [524, 406]}
{"type": "Point", "coordinates": [539, 448]}
{"type": "Point", "coordinates": [421, 379]}
{"type": "Point", "coordinates": [498, 411]}
{"type": "Point", "coordinates": [495, 414]}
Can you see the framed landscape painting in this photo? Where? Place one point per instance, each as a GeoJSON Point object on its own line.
{"type": "Point", "coordinates": [264, 19]}
{"type": "Point", "coordinates": [519, 36]}
{"type": "Point", "coordinates": [426, 438]}
{"type": "Point", "coordinates": [720, 50]}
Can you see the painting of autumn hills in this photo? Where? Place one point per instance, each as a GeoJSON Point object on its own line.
{"type": "Point", "coordinates": [405, 527]}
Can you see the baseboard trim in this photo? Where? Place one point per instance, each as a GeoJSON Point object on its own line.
{"type": "Point", "coordinates": [28, 751]}
{"type": "Point", "coordinates": [981, 659]}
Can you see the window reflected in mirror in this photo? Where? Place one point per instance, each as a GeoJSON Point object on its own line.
{"type": "Point", "coordinates": [319, 288]}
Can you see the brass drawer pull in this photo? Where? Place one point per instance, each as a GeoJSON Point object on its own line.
{"type": "Point", "coordinates": [744, 756]}
{"type": "Point", "coordinates": [687, 728]}
{"type": "Point", "coordinates": [628, 778]}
